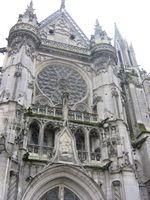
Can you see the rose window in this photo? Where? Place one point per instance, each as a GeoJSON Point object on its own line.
{"type": "Point", "coordinates": [54, 80]}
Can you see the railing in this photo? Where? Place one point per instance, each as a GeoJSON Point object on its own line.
{"type": "Point", "coordinates": [48, 152]}
{"type": "Point", "coordinates": [96, 156]}
{"type": "Point", "coordinates": [72, 115]}
{"type": "Point", "coordinates": [41, 150]}
{"type": "Point", "coordinates": [33, 148]}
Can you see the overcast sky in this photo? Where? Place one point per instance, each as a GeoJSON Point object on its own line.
{"type": "Point", "coordinates": [132, 18]}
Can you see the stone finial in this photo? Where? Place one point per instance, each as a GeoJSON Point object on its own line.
{"type": "Point", "coordinates": [100, 36]}
{"type": "Point", "coordinates": [65, 98]}
{"type": "Point", "coordinates": [62, 4]}
{"type": "Point", "coordinates": [29, 10]}
{"type": "Point", "coordinates": [98, 28]}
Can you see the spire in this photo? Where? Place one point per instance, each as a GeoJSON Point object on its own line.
{"type": "Point", "coordinates": [98, 28]}
{"type": "Point", "coordinates": [118, 36]}
{"type": "Point", "coordinates": [97, 25]}
{"type": "Point", "coordinates": [133, 56]}
{"type": "Point", "coordinates": [62, 7]}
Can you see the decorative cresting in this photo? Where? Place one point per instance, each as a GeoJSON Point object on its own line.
{"type": "Point", "coordinates": [55, 79]}
{"type": "Point", "coordinates": [72, 178]}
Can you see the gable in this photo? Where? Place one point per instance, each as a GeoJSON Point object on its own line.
{"type": "Point", "coordinates": [60, 27]}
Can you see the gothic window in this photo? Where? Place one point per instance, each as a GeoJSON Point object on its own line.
{"type": "Point", "coordinates": [56, 79]}
{"type": "Point", "coordinates": [51, 195]}
{"type": "Point", "coordinates": [69, 195]}
{"type": "Point", "coordinates": [34, 130]}
{"type": "Point", "coordinates": [80, 140]}
{"type": "Point", "coordinates": [82, 108]}
{"type": "Point", "coordinates": [80, 145]}
{"type": "Point", "coordinates": [58, 193]}
{"type": "Point", "coordinates": [49, 136]}
{"type": "Point", "coordinates": [95, 150]}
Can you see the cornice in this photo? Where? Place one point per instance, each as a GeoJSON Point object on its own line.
{"type": "Point", "coordinates": [66, 47]}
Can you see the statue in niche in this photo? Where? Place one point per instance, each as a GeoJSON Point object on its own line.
{"type": "Point", "coordinates": [30, 49]}
{"type": "Point", "coordinates": [65, 147]}
{"type": "Point", "coordinates": [65, 98]}
{"type": "Point", "coordinates": [65, 144]}
{"type": "Point", "coordinates": [126, 159]}
{"type": "Point", "coordinates": [112, 149]}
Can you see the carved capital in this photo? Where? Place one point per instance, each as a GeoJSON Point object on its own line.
{"type": "Point", "coordinates": [116, 183]}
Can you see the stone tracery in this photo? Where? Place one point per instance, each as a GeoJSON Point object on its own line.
{"type": "Point", "coordinates": [55, 79]}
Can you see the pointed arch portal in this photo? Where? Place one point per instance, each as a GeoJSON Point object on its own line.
{"type": "Point", "coordinates": [63, 182]}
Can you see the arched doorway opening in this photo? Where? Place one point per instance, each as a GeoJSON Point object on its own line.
{"type": "Point", "coordinates": [60, 193]}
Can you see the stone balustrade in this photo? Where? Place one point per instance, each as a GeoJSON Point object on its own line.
{"type": "Point", "coordinates": [72, 115]}
{"type": "Point", "coordinates": [40, 150]}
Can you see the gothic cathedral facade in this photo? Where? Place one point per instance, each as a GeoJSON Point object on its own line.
{"type": "Point", "coordinates": [75, 114]}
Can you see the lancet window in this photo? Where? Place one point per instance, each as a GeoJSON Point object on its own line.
{"type": "Point", "coordinates": [80, 144]}
{"type": "Point", "coordinates": [34, 132]}
{"type": "Point", "coordinates": [80, 140]}
{"type": "Point", "coordinates": [49, 135]}
{"type": "Point", "coordinates": [95, 150]}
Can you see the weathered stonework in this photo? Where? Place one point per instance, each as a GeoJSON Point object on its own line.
{"type": "Point", "coordinates": [74, 114]}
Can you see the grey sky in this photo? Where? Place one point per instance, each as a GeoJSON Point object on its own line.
{"type": "Point", "coordinates": [131, 16]}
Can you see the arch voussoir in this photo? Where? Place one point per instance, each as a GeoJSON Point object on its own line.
{"type": "Point", "coordinates": [72, 177]}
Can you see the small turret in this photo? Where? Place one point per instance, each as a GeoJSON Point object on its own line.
{"type": "Point", "coordinates": [27, 25]}
{"type": "Point", "coordinates": [100, 36]}
{"type": "Point", "coordinates": [101, 43]}
{"type": "Point", "coordinates": [23, 42]}
{"type": "Point", "coordinates": [28, 16]}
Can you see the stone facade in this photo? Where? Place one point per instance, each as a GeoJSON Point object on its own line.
{"type": "Point", "coordinates": [75, 114]}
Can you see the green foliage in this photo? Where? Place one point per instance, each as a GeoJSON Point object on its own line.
{"type": "Point", "coordinates": [141, 127]}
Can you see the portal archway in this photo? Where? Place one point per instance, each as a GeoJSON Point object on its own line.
{"type": "Point", "coordinates": [70, 177]}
